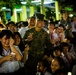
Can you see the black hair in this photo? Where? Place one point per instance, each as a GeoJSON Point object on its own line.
{"type": "Point", "coordinates": [62, 66]}
{"type": "Point", "coordinates": [25, 23]}
{"type": "Point", "coordinates": [33, 17]}
{"type": "Point", "coordinates": [8, 34]}
{"type": "Point", "coordinates": [10, 22]}
{"type": "Point", "coordinates": [69, 38]}
{"type": "Point", "coordinates": [48, 52]}
{"type": "Point", "coordinates": [45, 63]}
{"type": "Point", "coordinates": [52, 23]}
{"type": "Point", "coordinates": [60, 61]}
{"type": "Point", "coordinates": [64, 12]}
{"type": "Point", "coordinates": [21, 45]}
{"type": "Point", "coordinates": [63, 44]}
{"type": "Point", "coordinates": [57, 48]}
{"type": "Point", "coordinates": [61, 25]}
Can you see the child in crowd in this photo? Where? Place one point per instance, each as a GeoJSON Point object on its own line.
{"type": "Point", "coordinates": [43, 67]}
{"type": "Point", "coordinates": [58, 66]}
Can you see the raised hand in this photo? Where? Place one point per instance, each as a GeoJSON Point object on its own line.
{"type": "Point", "coordinates": [30, 37]}
{"type": "Point", "coordinates": [11, 41]}
{"type": "Point", "coordinates": [26, 48]}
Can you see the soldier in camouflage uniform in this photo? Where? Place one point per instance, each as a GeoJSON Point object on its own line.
{"type": "Point", "coordinates": [38, 39]}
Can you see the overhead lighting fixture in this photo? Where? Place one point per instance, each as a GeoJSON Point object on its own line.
{"type": "Point", "coordinates": [18, 9]}
{"type": "Point", "coordinates": [3, 8]}
{"type": "Point", "coordinates": [47, 2]}
{"type": "Point", "coordinates": [23, 2]}
{"type": "Point", "coordinates": [36, 1]}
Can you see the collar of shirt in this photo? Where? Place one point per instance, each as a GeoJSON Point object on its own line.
{"type": "Point", "coordinates": [6, 52]}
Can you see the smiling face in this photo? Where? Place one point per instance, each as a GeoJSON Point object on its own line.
{"type": "Point", "coordinates": [17, 39]}
{"type": "Point", "coordinates": [32, 21]}
{"type": "Point", "coordinates": [40, 67]}
{"type": "Point", "coordinates": [11, 27]}
{"type": "Point", "coordinates": [5, 41]}
{"type": "Point", "coordinates": [65, 50]}
{"type": "Point", "coordinates": [40, 23]}
{"type": "Point", "coordinates": [54, 65]}
{"type": "Point", "coordinates": [5, 38]}
{"type": "Point", "coordinates": [56, 53]}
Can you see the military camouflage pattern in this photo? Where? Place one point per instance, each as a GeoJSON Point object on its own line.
{"type": "Point", "coordinates": [40, 41]}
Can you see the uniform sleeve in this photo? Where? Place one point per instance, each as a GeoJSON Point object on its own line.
{"type": "Point", "coordinates": [47, 41]}
{"type": "Point", "coordinates": [25, 37]}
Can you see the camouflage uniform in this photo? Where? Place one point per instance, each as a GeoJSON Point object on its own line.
{"type": "Point", "coordinates": [40, 41]}
{"type": "Point", "coordinates": [37, 46]}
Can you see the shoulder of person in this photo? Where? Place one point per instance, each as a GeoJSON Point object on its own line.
{"type": "Point", "coordinates": [29, 30]}
{"type": "Point", "coordinates": [17, 48]}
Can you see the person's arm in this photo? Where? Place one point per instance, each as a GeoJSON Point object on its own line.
{"type": "Point", "coordinates": [25, 53]}
{"type": "Point", "coordinates": [28, 37]}
{"type": "Point", "coordinates": [6, 58]}
{"type": "Point", "coordinates": [18, 56]}
{"type": "Point", "coordinates": [4, 26]}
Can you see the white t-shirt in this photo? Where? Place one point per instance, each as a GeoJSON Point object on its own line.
{"type": "Point", "coordinates": [22, 30]}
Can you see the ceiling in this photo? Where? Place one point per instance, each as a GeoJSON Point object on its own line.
{"type": "Point", "coordinates": [50, 3]}
{"type": "Point", "coordinates": [47, 3]}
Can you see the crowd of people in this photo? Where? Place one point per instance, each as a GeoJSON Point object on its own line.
{"type": "Point", "coordinates": [38, 46]}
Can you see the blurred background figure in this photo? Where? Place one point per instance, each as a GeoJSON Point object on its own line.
{"type": "Point", "coordinates": [43, 67]}
{"type": "Point", "coordinates": [12, 26]}
{"type": "Point", "coordinates": [38, 39]}
{"type": "Point", "coordinates": [22, 28]}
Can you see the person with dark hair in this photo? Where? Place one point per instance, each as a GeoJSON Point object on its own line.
{"type": "Point", "coordinates": [23, 48]}
{"type": "Point", "coordinates": [27, 25]}
{"type": "Point", "coordinates": [57, 52]}
{"type": "Point", "coordinates": [64, 20]}
{"type": "Point", "coordinates": [61, 33]}
{"type": "Point", "coordinates": [70, 57]}
{"type": "Point", "coordinates": [48, 55]}
{"type": "Point", "coordinates": [22, 28]}
{"type": "Point", "coordinates": [58, 66]}
{"type": "Point", "coordinates": [66, 23]}
{"type": "Point", "coordinates": [11, 26]}
{"type": "Point", "coordinates": [70, 45]}
{"type": "Point", "coordinates": [43, 67]}
{"type": "Point", "coordinates": [10, 56]}
{"type": "Point", "coordinates": [38, 39]}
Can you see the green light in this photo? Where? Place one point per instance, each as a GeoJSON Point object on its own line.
{"type": "Point", "coordinates": [68, 8]}
{"type": "Point", "coordinates": [18, 6]}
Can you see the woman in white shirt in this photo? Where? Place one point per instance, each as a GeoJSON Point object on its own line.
{"type": "Point", "coordinates": [10, 56]}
